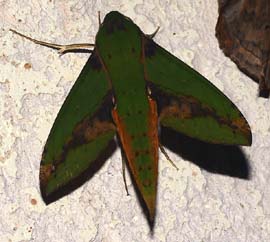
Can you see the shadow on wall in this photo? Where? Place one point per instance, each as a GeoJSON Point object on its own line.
{"type": "Point", "coordinates": [222, 159]}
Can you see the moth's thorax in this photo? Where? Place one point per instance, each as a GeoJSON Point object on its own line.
{"type": "Point", "coordinates": [118, 41]}
{"type": "Point", "coordinates": [119, 45]}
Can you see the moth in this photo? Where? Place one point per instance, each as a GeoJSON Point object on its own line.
{"type": "Point", "coordinates": [243, 32]}
{"type": "Point", "coordinates": [128, 88]}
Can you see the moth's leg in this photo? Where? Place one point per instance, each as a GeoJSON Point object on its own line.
{"type": "Point", "coordinates": [167, 156]}
{"type": "Point", "coordinates": [151, 36]}
{"type": "Point", "coordinates": [61, 48]}
{"type": "Point", "coordinates": [124, 171]}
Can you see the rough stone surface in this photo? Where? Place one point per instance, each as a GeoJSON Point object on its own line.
{"type": "Point", "coordinates": [192, 204]}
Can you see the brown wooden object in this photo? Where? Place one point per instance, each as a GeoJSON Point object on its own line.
{"type": "Point", "coordinates": [243, 32]}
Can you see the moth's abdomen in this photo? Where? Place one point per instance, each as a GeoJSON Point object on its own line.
{"type": "Point", "coordinates": [141, 149]}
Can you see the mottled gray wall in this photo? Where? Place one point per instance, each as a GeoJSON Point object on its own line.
{"type": "Point", "coordinates": [193, 204]}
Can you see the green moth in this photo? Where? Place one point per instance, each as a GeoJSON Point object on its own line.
{"type": "Point", "coordinates": [129, 87]}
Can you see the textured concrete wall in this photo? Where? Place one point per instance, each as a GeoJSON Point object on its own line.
{"type": "Point", "coordinates": [193, 204]}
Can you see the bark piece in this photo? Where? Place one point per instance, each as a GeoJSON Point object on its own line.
{"type": "Point", "coordinates": [243, 32]}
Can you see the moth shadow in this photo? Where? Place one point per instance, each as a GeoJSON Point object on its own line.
{"type": "Point", "coordinates": [83, 51]}
{"type": "Point", "coordinates": [222, 159]}
{"type": "Point", "coordinates": [85, 176]}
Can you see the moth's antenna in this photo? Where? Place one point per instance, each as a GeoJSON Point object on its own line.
{"type": "Point", "coordinates": [99, 20]}
{"type": "Point", "coordinates": [151, 36]}
{"type": "Point", "coordinates": [61, 48]}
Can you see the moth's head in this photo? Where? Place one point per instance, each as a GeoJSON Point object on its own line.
{"type": "Point", "coordinates": [115, 21]}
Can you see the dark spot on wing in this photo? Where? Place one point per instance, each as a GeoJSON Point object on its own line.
{"type": "Point", "coordinates": [141, 152]}
{"type": "Point", "coordinates": [115, 24]}
{"type": "Point", "coordinates": [145, 167]}
{"type": "Point", "coordinates": [95, 62]}
{"type": "Point", "coordinates": [146, 183]}
{"type": "Point", "coordinates": [149, 48]}
{"type": "Point", "coordinates": [137, 153]}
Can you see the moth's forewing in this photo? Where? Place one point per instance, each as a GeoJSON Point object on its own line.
{"type": "Point", "coordinates": [81, 132]}
{"type": "Point", "coordinates": [189, 103]}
